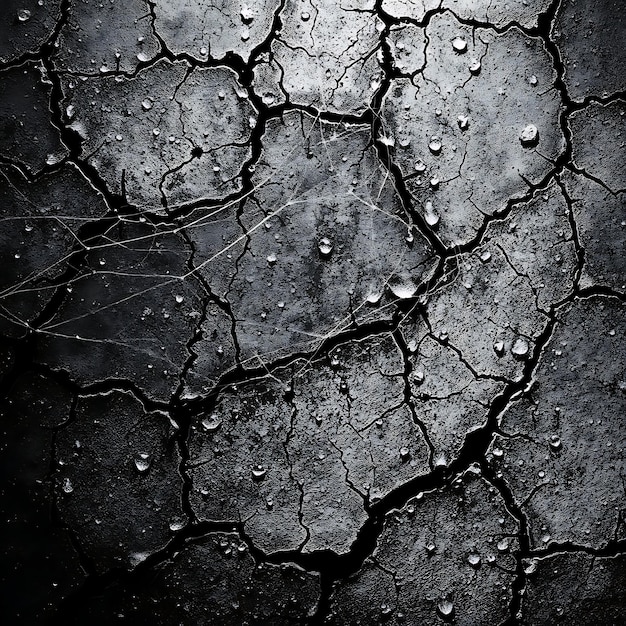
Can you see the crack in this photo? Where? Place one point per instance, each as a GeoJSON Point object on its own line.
{"type": "Point", "coordinates": [47, 45]}
{"type": "Point", "coordinates": [612, 547]}
{"type": "Point", "coordinates": [582, 172]}
{"type": "Point", "coordinates": [518, 587]}
{"type": "Point", "coordinates": [86, 563]}
{"type": "Point", "coordinates": [289, 397]}
{"type": "Point", "coordinates": [408, 394]}
{"type": "Point", "coordinates": [332, 567]}
{"type": "Point", "coordinates": [579, 248]}
{"type": "Point", "coordinates": [382, 149]}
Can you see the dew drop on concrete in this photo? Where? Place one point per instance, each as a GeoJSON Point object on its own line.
{"type": "Point", "coordinates": [142, 461]}
{"type": "Point", "coordinates": [325, 247]}
{"type": "Point", "coordinates": [529, 137]}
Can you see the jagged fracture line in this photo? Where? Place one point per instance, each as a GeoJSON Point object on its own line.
{"type": "Point", "coordinates": [195, 224]}
{"type": "Point", "coordinates": [192, 272]}
{"type": "Point", "coordinates": [346, 321]}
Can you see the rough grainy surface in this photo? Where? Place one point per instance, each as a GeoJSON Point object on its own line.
{"type": "Point", "coordinates": [312, 312]}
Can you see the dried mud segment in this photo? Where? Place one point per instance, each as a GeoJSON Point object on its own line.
{"type": "Point", "coordinates": [312, 312]}
{"type": "Point", "coordinates": [473, 124]}
{"type": "Point", "coordinates": [167, 136]}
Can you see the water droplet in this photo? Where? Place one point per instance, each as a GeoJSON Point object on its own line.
{"type": "Point", "coordinates": [146, 105]}
{"type": "Point", "coordinates": [555, 442]}
{"type": "Point", "coordinates": [463, 122]}
{"type": "Point", "coordinates": [385, 609]}
{"type": "Point", "coordinates": [305, 16]}
{"type": "Point", "coordinates": [529, 137]}
{"type": "Point", "coordinates": [430, 215]}
{"type": "Point", "coordinates": [177, 523]}
{"type": "Point", "coordinates": [435, 145]}
{"type": "Point", "coordinates": [520, 348]}
{"type": "Point", "coordinates": [459, 45]}
{"type": "Point", "coordinates": [247, 15]}
{"type": "Point", "coordinates": [445, 608]}
{"type": "Point", "coordinates": [474, 560]}
{"type": "Point", "coordinates": [268, 98]}
{"type": "Point", "coordinates": [503, 544]}
{"type": "Point", "coordinates": [498, 348]}
{"type": "Point", "coordinates": [143, 461]}
{"type": "Point", "coordinates": [211, 423]}
{"type": "Point", "coordinates": [258, 473]}
{"type": "Point", "coordinates": [138, 557]}
{"type": "Point", "coordinates": [388, 140]}
{"type": "Point", "coordinates": [67, 486]}
{"type": "Point", "coordinates": [474, 67]}
{"type": "Point", "coordinates": [402, 286]}
{"type": "Point", "coordinates": [23, 15]}
{"type": "Point", "coordinates": [373, 298]}
{"type": "Point", "coordinates": [325, 247]}
{"type": "Point", "coordinates": [440, 461]}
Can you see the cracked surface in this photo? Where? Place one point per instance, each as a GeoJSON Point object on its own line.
{"type": "Point", "coordinates": [116, 481]}
{"type": "Point", "coordinates": [212, 580]}
{"type": "Point", "coordinates": [27, 135]}
{"type": "Point", "coordinates": [575, 588]}
{"type": "Point", "coordinates": [482, 11]}
{"type": "Point", "coordinates": [445, 551]}
{"type": "Point", "coordinates": [596, 27]}
{"type": "Point", "coordinates": [163, 147]}
{"type": "Point", "coordinates": [312, 312]}
{"type": "Point", "coordinates": [457, 120]}
{"type": "Point", "coordinates": [564, 440]}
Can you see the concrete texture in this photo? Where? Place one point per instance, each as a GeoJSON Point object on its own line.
{"type": "Point", "coordinates": [312, 312]}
